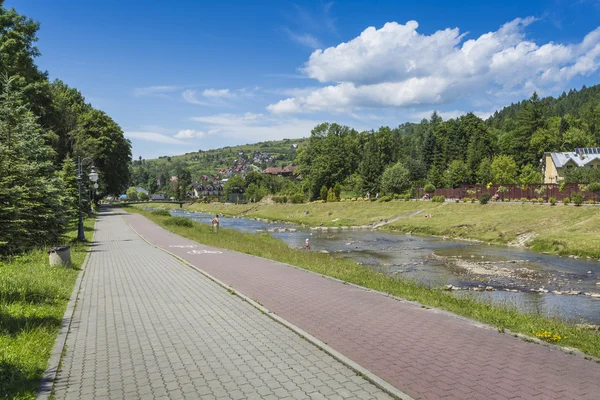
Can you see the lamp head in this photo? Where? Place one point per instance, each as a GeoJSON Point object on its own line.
{"type": "Point", "coordinates": [93, 175]}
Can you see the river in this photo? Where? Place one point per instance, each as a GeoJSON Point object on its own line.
{"type": "Point", "coordinates": [536, 283]}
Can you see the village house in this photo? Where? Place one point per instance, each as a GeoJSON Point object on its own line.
{"type": "Point", "coordinates": [286, 171]}
{"type": "Point", "coordinates": [205, 190]}
{"type": "Point", "coordinates": [557, 164]}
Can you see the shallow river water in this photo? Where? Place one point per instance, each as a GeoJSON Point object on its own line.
{"type": "Point", "coordinates": [530, 281]}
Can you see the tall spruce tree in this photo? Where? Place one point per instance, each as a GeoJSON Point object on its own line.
{"type": "Point", "coordinates": [32, 203]}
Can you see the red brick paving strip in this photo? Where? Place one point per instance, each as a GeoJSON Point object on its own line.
{"type": "Point", "coordinates": [424, 353]}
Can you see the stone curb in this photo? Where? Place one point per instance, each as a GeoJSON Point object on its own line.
{"type": "Point", "coordinates": [48, 379]}
{"type": "Point", "coordinates": [368, 375]}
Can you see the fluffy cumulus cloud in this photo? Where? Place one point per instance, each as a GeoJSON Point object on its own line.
{"type": "Point", "coordinates": [396, 66]}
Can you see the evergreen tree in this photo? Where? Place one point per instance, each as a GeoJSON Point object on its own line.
{"type": "Point", "coordinates": [32, 204]}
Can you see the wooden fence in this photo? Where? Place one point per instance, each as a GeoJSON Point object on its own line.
{"type": "Point", "coordinates": [544, 191]}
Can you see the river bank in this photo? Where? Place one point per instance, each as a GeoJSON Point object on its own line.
{"type": "Point", "coordinates": [561, 230]}
{"type": "Point", "coordinates": [504, 317]}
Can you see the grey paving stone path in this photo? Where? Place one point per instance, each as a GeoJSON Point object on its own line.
{"type": "Point", "coordinates": [422, 352]}
{"type": "Point", "coordinates": [147, 326]}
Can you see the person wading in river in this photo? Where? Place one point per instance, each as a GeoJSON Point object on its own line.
{"type": "Point", "coordinates": [215, 223]}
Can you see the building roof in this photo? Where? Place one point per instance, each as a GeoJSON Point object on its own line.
{"type": "Point", "coordinates": [580, 157]}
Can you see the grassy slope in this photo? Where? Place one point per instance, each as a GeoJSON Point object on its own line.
{"type": "Point", "coordinates": [561, 229]}
{"type": "Point", "coordinates": [33, 299]}
{"type": "Point", "coordinates": [499, 316]}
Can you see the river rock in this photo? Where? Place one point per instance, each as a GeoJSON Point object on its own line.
{"type": "Point", "coordinates": [595, 295]}
{"type": "Point", "coordinates": [324, 251]}
{"type": "Point", "coordinates": [489, 289]}
{"type": "Point", "coordinates": [344, 228]}
{"type": "Point", "coordinates": [314, 228]}
{"type": "Point", "coordinates": [292, 230]}
{"type": "Point", "coordinates": [557, 292]}
{"type": "Point", "coordinates": [333, 228]}
{"type": "Point", "coordinates": [270, 230]}
{"type": "Point", "coordinates": [589, 326]}
{"type": "Point", "coordinates": [598, 283]}
{"type": "Point", "coordinates": [574, 293]}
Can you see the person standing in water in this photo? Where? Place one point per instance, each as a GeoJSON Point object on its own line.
{"type": "Point", "coordinates": [307, 245]}
{"type": "Point", "coordinates": [215, 223]}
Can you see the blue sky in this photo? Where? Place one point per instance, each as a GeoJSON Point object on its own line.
{"type": "Point", "coordinates": [188, 75]}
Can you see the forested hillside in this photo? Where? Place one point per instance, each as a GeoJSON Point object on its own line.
{"type": "Point", "coordinates": [44, 127]}
{"type": "Point", "coordinates": [504, 149]}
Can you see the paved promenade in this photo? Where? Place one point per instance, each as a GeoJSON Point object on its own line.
{"type": "Point", "coordinates": [425, 353]}
{"type": "Point", "coordinates": [146, 326]}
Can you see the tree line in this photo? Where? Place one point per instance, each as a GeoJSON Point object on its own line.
{"type": "Point", "coordinates": [44, 127]}
{"type": "Point", "coordinates": [507, 148]}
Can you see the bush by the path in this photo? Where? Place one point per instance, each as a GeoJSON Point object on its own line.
{"type": "Point", "coordinates": [179, 221]}
{"type": "Point", "coordinates": [161, 212]}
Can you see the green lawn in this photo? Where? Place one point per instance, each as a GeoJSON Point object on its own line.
{"type": "Point", "coordinates": [33, 299]}
{"type": "Point", "coordinates": [502, 317]}
{"type": "Point", "coordinates": [563, 230]}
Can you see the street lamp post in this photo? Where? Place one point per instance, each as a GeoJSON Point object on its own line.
{"type": "Point", "coordinates": [93, 178]}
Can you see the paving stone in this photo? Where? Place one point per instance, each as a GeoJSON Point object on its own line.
{"type": "Point", "coordinates": [148, 326]}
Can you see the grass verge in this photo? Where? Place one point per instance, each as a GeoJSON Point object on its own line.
{"type": "Point", "coordinates": [502, 317]}
{"type": "Point", "coordinates": [562, 230]}
{"type": "Point", "coordinates": [33, 299]}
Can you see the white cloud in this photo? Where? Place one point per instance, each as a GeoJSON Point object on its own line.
{"type": "Point", "coordinates": [223, 93]}
{"type": "Point", "coordinates": [188, 134]}
{"type": "Point", "coordinates": [217, 97]}
{"type": "Point", "coordinates": [256, 127]}
{"type": "Point", "coordinates": [153, 90]}
{"type": "Point", "coordinates": [395, 66]}
{"type": "Point", "coordinates": [193, 133]}
{"type": "Point", "coordinates": [304, 39]}
{"type": "Point", "coordinates": [190, 97]}
{"type": "Point", "coordinates": [153, 137]}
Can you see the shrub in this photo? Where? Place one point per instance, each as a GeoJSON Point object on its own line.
{"type": "Point", "coordinates": [541, 200]}
{"type": "Point", "coordinates": [323, 193]}
{"type": "Point", "coordinates": [161, 212]}
{"type": "Point", "coordinates": [594, 187]}
{"type": "Point", "coordinates": [372, 199]}
{"type": "Point", "coordinates": [515, 200]}
{"type": "Point", "coordinates": [407, 197]}
{"type": "Point", "coordinates": [360, 199]}
{"type": "Point", "coordinates": [465, 199]}
{"type": "Point", "coordinates": [552, 201]}
{"type": "Point", "coordinates": [524, 199]}
{"type": "Point", "coordinates": [298, 198]}
{"type": "Point", "coordinates": [396, 196]}
{"type": "Point", "coordinates": [385, 199]}
{"type": "Point", "coordinates": [566, 201]}
{"type": "Point", "coordinates": [577, 199]}
{"type": "Point", "coordinates": [337, 190]}
{"type": "Point", "coordinates": [484, 198]}
{"type": "Point", "coordinates": [506, 200]}
{"type": "Point", "coordinates": [473, 199]}
{"type": "Point", "coordinates": [331, 198]}
{"type": "Point", "coordinates": [591, 202]}
{"type": "Point", "coordinates": [429, 188]}
{"type": "Point", "coordinates": [353, 199]}
{"type": "Point", "coordinates": [281, 199]}
{"type": "Point", "coordinates": [179, 221]}
{"type": "Point", "coordinates": [438, 199]}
